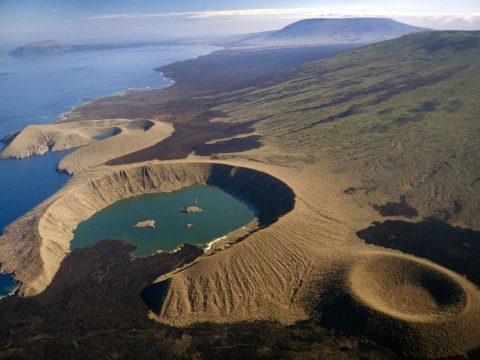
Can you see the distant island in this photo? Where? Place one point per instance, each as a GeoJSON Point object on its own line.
{"type": "Point", "coordinates": [41, 48]}
{"type": "Point", "coordinates": [50, 47]}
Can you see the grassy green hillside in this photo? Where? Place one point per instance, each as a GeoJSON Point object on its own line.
{"type": "Point", "coordinates": [401, 118]}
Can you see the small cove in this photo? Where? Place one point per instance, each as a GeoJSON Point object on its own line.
{"type": "Point", "coordinates": [221, 213]}
{"type": "Point", "coordinates": [29, 181]}
{"type": "Point", "coordinates": [7, 284]}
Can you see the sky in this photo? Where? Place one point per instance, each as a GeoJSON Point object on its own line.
{"type": "Point", "coordinates": [90, 21]}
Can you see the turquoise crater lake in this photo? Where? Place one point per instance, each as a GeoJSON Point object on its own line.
{"type": "Point", "coordinates": [221, 213]}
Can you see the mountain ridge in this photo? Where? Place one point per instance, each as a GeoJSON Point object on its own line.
{"type": "Point", "coordinates": [330, 31]}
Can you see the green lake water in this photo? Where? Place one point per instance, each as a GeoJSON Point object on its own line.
{"type": "Point", "coordinates": [221, 214]}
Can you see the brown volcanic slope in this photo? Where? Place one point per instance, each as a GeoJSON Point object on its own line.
{"type": "Point", "coordinates": [376, 122]}
{"type": "Point", "coordinates": [64, 323]}
{"type": "Point", "coordinates": [187, 104]}
{"type": "Point", "coordinates": [289, 270]}
{"type": "Point", "coordinates": [400, 118]}
{"type": "Point", "coordinates": [451, 246]}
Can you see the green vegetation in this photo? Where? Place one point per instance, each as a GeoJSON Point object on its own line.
{"type": "Point", "coordinates": [70, 115]}
{"type": "Point", "coordinates": [399, 117]}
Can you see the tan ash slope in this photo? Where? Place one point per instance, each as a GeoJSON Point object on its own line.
{"type": "Point", "coordinates": [122, 137]}
{"type": "Point", "coordinates": [305, 264]}
{"type": "Point", "coordinates": [138, 135]}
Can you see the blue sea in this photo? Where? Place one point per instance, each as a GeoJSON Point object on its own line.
{"type": "Point", "coordinates": [36, 90]}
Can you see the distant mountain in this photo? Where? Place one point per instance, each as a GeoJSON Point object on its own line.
{"type": "Point", "coordinates": [329, 31]}
{"type": "Point", "coordinates": [41, 48]}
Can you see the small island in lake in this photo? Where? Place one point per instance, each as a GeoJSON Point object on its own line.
{"type": "Point", "coordinates": [145, 224]}
{"type": "Point", "coordinates": [191, 209]}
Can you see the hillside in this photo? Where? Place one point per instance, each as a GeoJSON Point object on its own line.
{"type": "Point", "coordinates": [370, 142]}
{"type": "Point", "coordinates": [330, 31]}
{"type": "Point", "coordinates": [397, 119]}
{"type": "Point", "coordinates": [400, 118]}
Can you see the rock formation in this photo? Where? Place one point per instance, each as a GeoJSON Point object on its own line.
{"type": "Point", "coordinates": [145, 224]}
{"type": "Point", "coordinates": [191, 209]}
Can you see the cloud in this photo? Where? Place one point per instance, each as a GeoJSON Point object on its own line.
{"type": "Point", "coordinates": [471, 18]}
{"type": "Point", "coordinates": [305, 12]}
{"type": "Point", "coordinates": [415, 15]}
{"type": "Point", "coordinates": [205, 14]}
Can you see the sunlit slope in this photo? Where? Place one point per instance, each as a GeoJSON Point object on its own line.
{"type": "Point", "coordinates": [400, 117]}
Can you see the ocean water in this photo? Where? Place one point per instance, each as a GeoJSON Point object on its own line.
{"type": "Point", "coordinates": [221, 214]}
{"type": "Point", "coordinates": [36, 90]}
{"type": "Point", "coordinates": [7, 284]}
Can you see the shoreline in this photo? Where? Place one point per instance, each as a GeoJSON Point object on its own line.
{"type": "Point", "coordinates": [18, 284]}
{"type": "Point", "coordinates": [62, 117]}
{"type": "Point", "coordinates": [65, 116]}
{"type": "Point", "coordinates": [210, 244]}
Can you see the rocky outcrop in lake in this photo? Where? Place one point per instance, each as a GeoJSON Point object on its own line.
{"type": "Point", "coordinates": [191, 209]}
{"type": "Point", "coordinates": [145, 224]}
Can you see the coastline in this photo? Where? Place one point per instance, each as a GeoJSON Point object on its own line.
{"type": "Point", "coordinates": [180, 90]}
{"type": "Point", "coordinates": [210, 244]}
{"type": "Point", "coordinates": [16, 289]}
{"type": "Point", "coordinates": [70, 114]}
{"type": "Point", "coordinates": [64, 117]}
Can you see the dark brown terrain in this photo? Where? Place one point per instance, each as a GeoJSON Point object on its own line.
{"type": "Point", "coordinates": [451, 246]}
{"type": "Point", "coordinates": [400, 208]}
{"type": "Point", "coordinates": [94, 309]}
{"type": "Point", "coordinates": [200, 84]}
